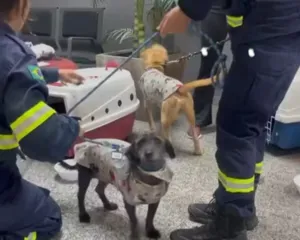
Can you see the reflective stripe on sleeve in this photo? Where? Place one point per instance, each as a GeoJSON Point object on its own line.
{"type": "Point", "coordinates": [235, 185]}
{"type": "Point", "coordinates": [234, 21]}
{"type": "Point", "coordinates": [31, 236]}
{"type": "Point", "coordinates": [258, 168]}
{"type": "Point", "coordinates": [8, 142]}
{"type": "Point", "coordinates": [31, 119]}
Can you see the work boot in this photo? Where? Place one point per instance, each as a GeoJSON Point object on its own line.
{"type": "Point", "coordinates": [206, 213]}
{"type": "Point", "coordinates": [226, 225]}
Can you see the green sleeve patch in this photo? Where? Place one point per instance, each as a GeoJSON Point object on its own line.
{"type": "Point", "coordinates": [36, 73]}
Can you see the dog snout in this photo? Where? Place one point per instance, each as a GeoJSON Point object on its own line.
{"type": "Point", "coordinates": [148, 154]}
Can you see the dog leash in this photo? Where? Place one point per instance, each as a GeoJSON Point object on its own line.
{"type": "Point", "coordinates": [114, 71]}
{"type": "Point", "coordinates": [219, 63]}
{"type": "Point", "coordinates": [134, 53]}
{"type": "Point", "coordinates": [215, 45]}
{"type": "Point", "coordinates": [200, 52]}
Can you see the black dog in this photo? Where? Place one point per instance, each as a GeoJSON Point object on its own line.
{"type": "Point", "coordinates": [147, 178]}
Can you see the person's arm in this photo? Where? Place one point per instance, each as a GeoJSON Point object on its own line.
{"type": "Point", "coordinates": [42, 133]}
{"type": "Point", "coordinates": [195, 9]}
{"type": "Point", "coordinates": [51, 75]}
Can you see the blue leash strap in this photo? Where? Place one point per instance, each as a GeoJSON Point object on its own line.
{"type": "Point", "coordinates": [113, 72]}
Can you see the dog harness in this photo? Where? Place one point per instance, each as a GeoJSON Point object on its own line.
{"type": "Point", "coordinates": [157, 87]}
{"type": "Point", "coordinates": [112, 166]}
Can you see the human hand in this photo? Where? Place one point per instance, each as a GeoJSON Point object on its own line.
{"type": "Point", "coordinates": [175, 21]}
{"type": "Point", "coordinates": [70, 76]}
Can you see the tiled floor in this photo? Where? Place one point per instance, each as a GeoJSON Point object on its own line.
{"type": "Point", "coordinates": [195, 179]}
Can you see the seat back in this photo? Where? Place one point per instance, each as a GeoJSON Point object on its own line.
{"type": "Point", "coordinates": [81, 22]}
{"type": "Point", "coordinates": [42, 26]}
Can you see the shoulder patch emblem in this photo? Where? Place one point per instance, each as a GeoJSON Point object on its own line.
{"type": "Point", "coordinates": [36, 73]}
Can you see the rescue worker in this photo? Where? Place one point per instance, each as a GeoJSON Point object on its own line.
{"type": "Point", "coordinates": [215, 26]}
{"type": "Point", "coordinates": [265, 38]}
{"type": "Point", "coordinates": [27, 122]}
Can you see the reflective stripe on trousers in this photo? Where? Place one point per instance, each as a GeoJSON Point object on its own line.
{"type": "Point", "coordinates": [8, 142]}
{"type": "Point", "coordinates": [258, 168]}
{"type": "Point", "coordinates": [235, 185]}
{"type": "Point", "coordinates": [31, 236]}
{"type": "Point", "coordinates": [31, 119]}
{"type": "Point", "coordinates": [235, 21]}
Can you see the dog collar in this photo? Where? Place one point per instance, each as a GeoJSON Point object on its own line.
{"type": "Point", "coordinates": [162, 66]}
{"type": "Point", "coordinates": [165, 174]}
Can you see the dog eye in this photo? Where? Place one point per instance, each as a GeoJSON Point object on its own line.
{"type": "Point", "coordinates": [158, 140]}
{"type": "Point", "coordinates": [141, 142]}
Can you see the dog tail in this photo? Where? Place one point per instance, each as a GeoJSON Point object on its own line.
{"type": "Point", "coordinates": [194, 84]}
{"type": "Point", "coordinates": [68, 166]}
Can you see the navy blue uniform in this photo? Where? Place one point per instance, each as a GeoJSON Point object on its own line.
{"type": "Point", "coordinates": [253, 90]}
{"type": "Point", "coordinates": [27, 122]}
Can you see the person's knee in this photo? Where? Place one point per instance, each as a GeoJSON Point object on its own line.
{"type": "Point", "coordinates": [40, 214]}
{"type": "Point", "coordinates": [236, 139]}
{"type": "Point", "coordinates": [51, 228]}
{"type": "Point", "coordinates": [238, 123]}
{"type": "Point", "coordinates": [56, 227]}
{"type": "Point", "coordinates": [52, 223]}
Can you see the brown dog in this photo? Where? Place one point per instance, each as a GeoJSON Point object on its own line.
{"type": "Point", "coordinates": [168, 93]}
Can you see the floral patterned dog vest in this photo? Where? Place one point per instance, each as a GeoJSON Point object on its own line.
{"type": "Point", "coordinates": [157, 87]}
{"type": "Point", "coordinates": [112, 166]}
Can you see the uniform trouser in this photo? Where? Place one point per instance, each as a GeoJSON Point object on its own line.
{"type": "Point", "coordinates": [31, 215]}
{"type": "Point", "coordinates": [216, 27]}
{"type": "Point", "coordinates": [252, 92]}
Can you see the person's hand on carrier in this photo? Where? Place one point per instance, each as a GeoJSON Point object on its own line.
{"type": "Point", "coordinates": [175, 21]}
{"type": "Point", "coordinates": [70, 76]}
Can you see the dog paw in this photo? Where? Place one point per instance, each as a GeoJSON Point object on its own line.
{"type": "Point", "coordinates": [111, 206]}
{"type": "Point", "coordinates": [153, 233]}
{"type": "Point", "coordinates": [84, 218]}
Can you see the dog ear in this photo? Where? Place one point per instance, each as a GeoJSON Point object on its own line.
{"type": "Point", "coordinates": [169, 149]}
{"type": "Point", "coordinates": [131, 138]}
{"type": "Point", "coordinates": [132, 156]}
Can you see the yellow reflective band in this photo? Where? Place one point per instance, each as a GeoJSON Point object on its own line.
{"type": "Point", "coordinates": [8, 142]}
{"type": "Point", "coordinates": [234, 185]}
{"type": "Point", "coordinates": [31, 119]}
{"type": "Point", "coordinates": [234, 21]}
{"type": "Point", "coordinates": [258, 168]}
{"type": "Point", "coordinates": [31, 236]}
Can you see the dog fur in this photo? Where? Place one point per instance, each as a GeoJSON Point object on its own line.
{"type": "Point", "coordinates": [156, 57]}
{"type": "Point", "coordinates": [146, 152]}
